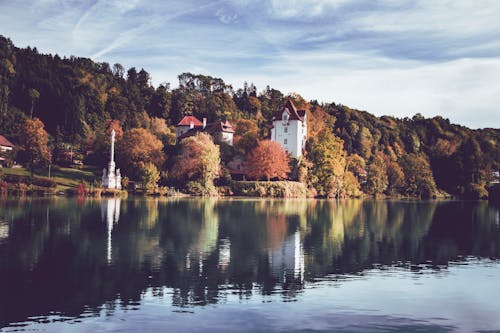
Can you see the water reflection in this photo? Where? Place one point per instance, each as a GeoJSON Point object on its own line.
{"type": "Point", "coordinates": [110, 213]}
{"type": "Point", "coordinates": [60, 255]}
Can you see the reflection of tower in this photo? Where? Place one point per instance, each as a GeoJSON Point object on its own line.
{"type": "Point", "coordinates": [288, 259]}
{"type": "Point", "coordinates": [112, 178]}
{"type": "Point", "coordinates": [110, 212]}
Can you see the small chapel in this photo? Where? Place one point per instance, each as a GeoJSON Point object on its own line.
{"type": "Point", "coordinates": [112, 178]}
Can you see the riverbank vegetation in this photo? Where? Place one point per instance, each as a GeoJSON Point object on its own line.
{"type": "Point", "coordinates": [59, 112]}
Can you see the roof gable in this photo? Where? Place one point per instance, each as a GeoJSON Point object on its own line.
{"type": "Point", "coordinates": [4, 142]}
{"type": "Point", "coordinates": [221, 126]}
{"type": "Point", "coordinates": [188, 120]}
{"type": "Point", "coordinates": [291, 110]}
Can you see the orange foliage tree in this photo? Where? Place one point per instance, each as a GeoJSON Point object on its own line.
{"type": "Point", "coordinates": [137, 147]}
{"type": "Point", "coordinates": [34, 149]}
{"type": "Point", "coordinates": [267, 160]}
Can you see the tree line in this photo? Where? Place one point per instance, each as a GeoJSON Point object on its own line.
{"type": "Point", "coordinates": [77, 101]}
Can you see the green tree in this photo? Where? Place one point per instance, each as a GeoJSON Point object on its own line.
{"type": "Point", "coordinates": [418, 176]}
{"type": "Point", "coordinates": [149, 177]}
{"type": "Point", "coordinates": [328, 157]}
{"type": "Point", "coordinates": [199, 162]}
{"type": "Point", "coordinates": [377, 175]}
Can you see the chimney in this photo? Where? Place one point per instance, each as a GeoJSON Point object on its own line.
{"type": "Point", "coordinates": [191, 124]}
{"type": "Point", "coordinates": [204, 122]}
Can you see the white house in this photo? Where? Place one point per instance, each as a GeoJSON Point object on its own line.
{"type": "Point", "coordinates": [290, 129]}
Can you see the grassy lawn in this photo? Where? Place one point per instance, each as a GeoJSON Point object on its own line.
{"type": "Point", "coordinates": [64, 177]}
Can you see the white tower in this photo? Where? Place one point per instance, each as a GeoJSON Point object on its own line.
{"type": "Point", "coordinates": [290, 129]}
{"type": "Point", "coordinates": [112, 178]}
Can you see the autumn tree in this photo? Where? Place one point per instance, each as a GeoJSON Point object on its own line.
{"type": "Point", "coordinates": [266, 161]}
{"type": "Point", "coordinates": [34, 149]}
{"type": "Point", "coordinates": [377, 181]}
{"type": "Point", "coordinates": [328, 157]}
{"type": "Point", "coordinates": [198, 163]}
{"type": "Point", "coordinates": [137, 147]}
{"type": "Point", "coordinates": [159, 127]}
{"type": "Point", "coordinates": [395, 178]}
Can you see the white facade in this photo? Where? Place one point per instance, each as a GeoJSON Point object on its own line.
{"type": "Point", "coordinates": [226, 137]}
{"type": "Point", "coordinates": [5, 148]}
{"type": "Point", "coordinates": [291, 134]}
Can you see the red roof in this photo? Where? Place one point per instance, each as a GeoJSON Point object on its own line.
{"type": "Point", "coordinates": [292, 111]}
{"type": "Point", "coordinates": [188, 120]}
{"type": "Point", "coordinates": [6, 143]}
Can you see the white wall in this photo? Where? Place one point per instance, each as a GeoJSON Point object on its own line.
{"type": "Point", "coordinates": [294, 136]}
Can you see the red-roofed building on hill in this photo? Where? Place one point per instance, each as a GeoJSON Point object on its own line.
{"type": "Point", "coordinates": [188, 123]}
{"type": "Point", "coordinates": [290, 129]}
{"type": "Point", "coordinates": [5, 145]}
{"type": "Point", "coordinates": [221, 131]}
{"type": "Point", "coordinates": [6, 148]}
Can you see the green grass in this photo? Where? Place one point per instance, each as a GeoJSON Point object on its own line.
{"type": "Point", "coordinates": [66, 178]}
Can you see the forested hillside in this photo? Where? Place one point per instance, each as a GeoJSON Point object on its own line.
{"type": "Point", "coordinates": [348, 150]}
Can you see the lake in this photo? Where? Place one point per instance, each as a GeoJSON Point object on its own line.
{"type": "Point", "coordinates": [243, 265]}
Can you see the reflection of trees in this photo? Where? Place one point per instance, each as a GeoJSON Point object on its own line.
{"type": "Point", "coordinates": [55, 254]}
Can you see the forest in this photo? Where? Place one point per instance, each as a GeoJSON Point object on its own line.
{"type": "Point", "coordinates": [71, 104]}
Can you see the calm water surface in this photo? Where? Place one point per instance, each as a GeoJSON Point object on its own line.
{"type": "Point", "coordinates": [196, 265]}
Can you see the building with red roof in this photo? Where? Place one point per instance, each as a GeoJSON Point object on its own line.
{"type": "Point", "coordinates": [290, 129]}
{"type": "Point", "coordinates": [5, 145]}
{"type": "Point", "coordinates": [221, 131]}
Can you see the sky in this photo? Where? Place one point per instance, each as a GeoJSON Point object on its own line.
{"type": "Point", "coordinates": [387, 57]}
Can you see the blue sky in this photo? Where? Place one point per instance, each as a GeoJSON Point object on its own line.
{"type": "Point", "coordinates": [387, 57]}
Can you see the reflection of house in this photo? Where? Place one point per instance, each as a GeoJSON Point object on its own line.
{"type": "Point", "coordinates": [221, 131]}
{"type": "Point", "coordinates": [110, 212]}
{"type": "Point", "coordinates": [288, 259]}
{"type": "Point", "coordinates": [290, 129]}
{"type": "Point", "coordinates": [224, 253]}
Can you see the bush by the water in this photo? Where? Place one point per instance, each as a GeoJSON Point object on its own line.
{"type": "Point", "coordinates": [280, 189]}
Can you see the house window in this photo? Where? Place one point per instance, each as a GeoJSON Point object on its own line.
{"type": "Point", "coordinates": [286, 130]}
{"type": "Point", "coordinates": [285, 142]}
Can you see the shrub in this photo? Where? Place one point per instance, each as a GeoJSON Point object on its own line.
{"type": "Point", "coordinates": [279, 189]}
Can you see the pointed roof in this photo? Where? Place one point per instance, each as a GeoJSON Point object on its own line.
{"type": "Point", "coordinates": [187, 120]}
{"type": "Point", "coordinates": [291, 110]}
{"type": "Point", "coordinates": [6, 143]}
{"type": "Point", "coordinates": [221, 126]}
